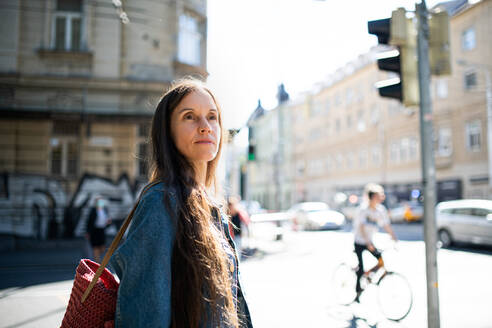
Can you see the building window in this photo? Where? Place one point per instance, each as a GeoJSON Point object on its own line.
{"type": "Point", "coordinates": [56, 156]}
{"type": "Point", "coordinates": [376, 155]}
{"type": "Point", "coordinates": [470, 80]}
{"type": "Point", "coordinates": [349, 121]}
{"type": "Point", "coordinates": [328, 163]}
{"type": "Point", "coordinates": [339, 161]}
{"type": "Point", "coordinates": [189, 40]}
{"type": "Point", "coordinates": [349, 96]}
{"type": "Point", "coordinates": [317, 108]}
{"type": "Point", "coordinates": [444, 142]}
{"type": "Point", "coordinates": [327, 105]}
{"type": "Point", "coordinates": [64, 156]}
{"type": "Point", "coordinates": [473, 135]}
{"type": "Point", "coordinates": [412, 148]}
{"type": "Point", "coordinates": [350, 160]}
{"type": "Point", "coordinates": [442, 88]}
{"type": "Point", "coordinates": [375, 114]}
{"type": "Point", "coordinates": [67, 25]}
{"type": "Point", "coordinates": [363, 158]}
{"type": "Point", "coordinates": [359, 94]}
{"type": "Point", "coordinates": [315, 134]}
{"type": "Point", "coordinates": [315, 167]}
{"type": "Point", "coordinates": [404, 149]}
{"type": "Point", "coordinates": [300, 167]}
{"type": "Point", "coordinates": [338, 125]}
{"type": "Point", "coordinates": [393, 152]}
{"type": "Point", "coordinates": [64, 148]}
{"type": "Point", "coordinates": [361, 122]}
{"type": "Point", "coordinates": [468, 40]}
{"type": "Point", "coordinates": [338, 99]}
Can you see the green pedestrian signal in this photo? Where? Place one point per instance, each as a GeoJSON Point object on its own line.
{"type": "Point", "coordinates": [251, 153]}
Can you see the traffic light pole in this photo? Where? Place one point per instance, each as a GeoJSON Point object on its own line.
{"type": "Point", "coordinates": [428, 167]}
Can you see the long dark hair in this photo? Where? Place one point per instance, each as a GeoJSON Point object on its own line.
{"type": "Point", "coordinates": [200, 273]}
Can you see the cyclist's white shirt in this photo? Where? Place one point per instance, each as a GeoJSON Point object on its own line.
{"type": "Point", "coordinates": [370, 219]}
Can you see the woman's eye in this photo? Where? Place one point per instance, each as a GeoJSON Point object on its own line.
{"type": "Point", "coordinates": [188, 117]}
{"type": "Point", "coordinates": [212, 117]}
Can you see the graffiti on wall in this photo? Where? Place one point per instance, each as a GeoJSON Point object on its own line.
{"type": "Point", "coordinates": [119, 195]}
{"type": "Point", "coordinates": [31, 205]}
{"type": "Point", "coordinates": [40, 206]}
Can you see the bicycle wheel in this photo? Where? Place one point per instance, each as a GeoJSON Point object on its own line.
{"type": "Point", "coordinates": [394, 296]}
{"type": "Point", "coordinates": [343, 284]}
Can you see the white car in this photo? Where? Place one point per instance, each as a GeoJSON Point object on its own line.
{"type": "Point", "coordinates": [465, 220]}
{"type": "Point", "coordinates": [316, 216]}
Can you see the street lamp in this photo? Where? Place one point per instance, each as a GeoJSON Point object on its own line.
{"type": "Point", "coordinates": [488, 98]}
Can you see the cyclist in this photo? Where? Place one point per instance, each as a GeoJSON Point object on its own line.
{"type": "Point", "coordinates": [369, 215]}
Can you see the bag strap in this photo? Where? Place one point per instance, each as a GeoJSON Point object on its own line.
{"type": "Point", "coordinates": [115, 244]}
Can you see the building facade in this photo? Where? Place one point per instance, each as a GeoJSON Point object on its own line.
{"type": "Point", "coordinates": [345, 135]}
{"type": "Point", "coordinates": [270, 170]}
{"type": "Point", "coordinates": [79, 81]}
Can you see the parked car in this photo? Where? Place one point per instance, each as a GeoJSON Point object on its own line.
{"type": "Point", "coordinates": [406, 212]}
{"type": "Point", "coordinates": [316, 216]}
{"type": "Point", "coordinates": [252, 207]}
{"type": "Point", "coordinates": [466, 220]}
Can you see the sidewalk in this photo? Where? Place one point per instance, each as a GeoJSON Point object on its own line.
{"type": "Point", "coordinates": [41, 262]}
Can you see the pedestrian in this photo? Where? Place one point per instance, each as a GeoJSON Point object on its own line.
{"type": "Point", "coordinates": [177, 266]}
{"type": "Point", "coordinates": [369, 215]}
{"type": "Point", "coordinates": [96, 225]}
{"type": "Point", "coordinates": [239, 220]}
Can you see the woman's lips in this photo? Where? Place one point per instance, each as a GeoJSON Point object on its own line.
{"type": "Point", "coordinates": [204, 142]}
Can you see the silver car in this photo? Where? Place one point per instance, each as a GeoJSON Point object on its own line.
{"type": "Point", "coordinates": [316, 216]}
{"type": "Point", "coordinates": [465, 220]}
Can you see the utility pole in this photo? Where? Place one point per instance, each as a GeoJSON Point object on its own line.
{"type": "Point", "coordinates": [282, 97]}
{"type": "Point", "coordinates": [488, 93]}
{"type": "Point", "coordinates": [421, 51]}
{"type": "Point", "coordinates": [428, 166]}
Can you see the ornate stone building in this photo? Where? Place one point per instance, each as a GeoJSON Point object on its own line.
{"type": "Point", "coordinates": [344, 135]}
{"type": "Point", "coordinates": [79, 80]}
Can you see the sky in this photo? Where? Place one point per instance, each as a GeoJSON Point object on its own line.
{"type": "Point", "coordinates": [254, 45]}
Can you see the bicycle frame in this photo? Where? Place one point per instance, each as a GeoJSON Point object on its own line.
{"type": "Point", "coordinates": [369, 274]}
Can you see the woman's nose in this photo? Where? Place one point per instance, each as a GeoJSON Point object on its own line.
{"type": "Point", "coordinates": [204, 126]}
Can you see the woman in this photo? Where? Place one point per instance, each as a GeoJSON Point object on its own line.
{"type": "Point", "coordinates": [239, 220]}
{"type": "Point", "coordinates": [177, 267]}
{"type": "Point", "coordinates": [96, 224]}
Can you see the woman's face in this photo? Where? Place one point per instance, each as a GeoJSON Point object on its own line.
{"type": "Point", "coordinates": [195, 127]}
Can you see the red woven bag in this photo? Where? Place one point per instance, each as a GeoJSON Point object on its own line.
{"type": "Point", "coordinates": [99, 308]}
{"type": "Point", "coordinates": [92, 302]}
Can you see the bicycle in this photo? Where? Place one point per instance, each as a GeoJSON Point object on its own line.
{"type": "Point", "coordinates": [394, 294]}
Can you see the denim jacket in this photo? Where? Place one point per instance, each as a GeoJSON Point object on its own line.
{"type": "Point", "coordinates": [143, 265]}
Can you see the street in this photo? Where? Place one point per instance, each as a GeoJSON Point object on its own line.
{"type": "Point", "coordinates": [291, 286]}
{"type": "Point", "coordinates": [287, 283]}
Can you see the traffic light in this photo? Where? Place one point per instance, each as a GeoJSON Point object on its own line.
{"type": "Point", "coordinates": [251, 153]}
{"type": "Point", "coordinates": [398, 31]}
